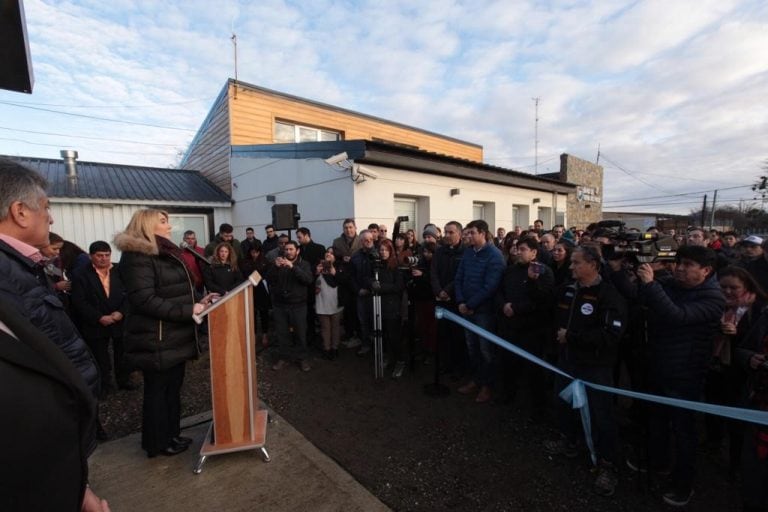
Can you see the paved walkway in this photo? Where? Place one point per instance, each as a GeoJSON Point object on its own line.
{"type": "Point", "coordinates": [299, 477]}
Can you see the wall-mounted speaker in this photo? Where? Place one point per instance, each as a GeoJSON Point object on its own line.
{"type": "Point", "coordinates": [285, 216]}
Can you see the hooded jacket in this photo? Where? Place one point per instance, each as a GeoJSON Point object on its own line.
{"type": "Point", "coordinates": [159, 330]}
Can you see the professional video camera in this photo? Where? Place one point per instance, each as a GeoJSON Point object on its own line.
{"type": "Point", "coordinates": [635, 246]}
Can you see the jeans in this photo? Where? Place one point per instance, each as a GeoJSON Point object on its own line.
{"type": "Point", "coordinates": [664, 420]}
{"type": "Point", "coordinates": [285, 317]}
{"type": "Point", "coordinates": [605, 432]}
{"type": "Point", "coordinates": [479, 349]}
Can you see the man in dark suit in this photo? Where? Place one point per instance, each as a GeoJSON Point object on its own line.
{"type": "Point", "coordinates": [98, 301]}
{"type": "Point", "coordinates": [51, 434]}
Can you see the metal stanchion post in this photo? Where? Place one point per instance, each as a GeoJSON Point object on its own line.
{"type": "Point", "coordinates": [378, 333]}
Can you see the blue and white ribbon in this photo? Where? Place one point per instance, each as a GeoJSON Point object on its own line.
{"type": "Point", "coordinates": [575, 393]}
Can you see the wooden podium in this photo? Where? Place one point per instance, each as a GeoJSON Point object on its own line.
{"type": "Point", "coordinates": [238, 423]}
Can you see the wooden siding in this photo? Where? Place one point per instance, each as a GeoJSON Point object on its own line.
{"type": "Point", "coordinates": [253, 113]}
{"type": "Point", "coordinates": [209, 152]}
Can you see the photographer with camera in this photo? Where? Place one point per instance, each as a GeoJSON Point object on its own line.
{"type": "Point", "coordinates": [526, 299]}
{"type": "Point", "coordinates": [288, 279]}
{"type": "Point", "coordinates": [683, 317]}
{"type": "Point", "coordinates": [390, 287]}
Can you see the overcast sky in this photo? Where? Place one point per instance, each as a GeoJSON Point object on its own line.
{"type": "Point", "coordinates": [675, 93]}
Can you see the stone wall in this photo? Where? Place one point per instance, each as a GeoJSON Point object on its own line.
{"type": "Point", "coordinates": [585, 206]}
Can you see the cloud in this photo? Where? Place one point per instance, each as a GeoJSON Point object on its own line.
{"type": "Point", "coordinates": [669, 90]}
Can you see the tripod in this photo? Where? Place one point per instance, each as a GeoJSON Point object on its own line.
{"type": "Point", "coordinates": [378, 333]}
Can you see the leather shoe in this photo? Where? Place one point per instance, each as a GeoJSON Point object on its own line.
{"type": "Point", "coordinates": [174, 449]}
{"type": "Point", "coordinates": [181, 441]}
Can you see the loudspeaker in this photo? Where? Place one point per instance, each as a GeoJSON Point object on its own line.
{"type": "Point", "coordinates": [285, 216]}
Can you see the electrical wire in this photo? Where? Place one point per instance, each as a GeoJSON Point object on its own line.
{"type": "Point", "coordinates": [155, 105]}
{"type": "Point", "coordinates": [85, 116]}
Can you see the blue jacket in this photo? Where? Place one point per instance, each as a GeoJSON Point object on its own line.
{"type": "Point", "coordinates": [24, 284]}
{"type": "Point", "coordinates": [478, 277]}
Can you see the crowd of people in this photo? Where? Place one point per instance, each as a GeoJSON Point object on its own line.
{"type": "Point", "coordinates": [689, 323]}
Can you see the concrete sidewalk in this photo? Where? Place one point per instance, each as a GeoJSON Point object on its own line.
{"type": "Point", "coordinates": [299, 477]}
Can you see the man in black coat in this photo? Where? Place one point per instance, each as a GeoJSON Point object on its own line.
{"type": "Point", "coordinates": [683, 316]}
{"type": "Point", "coordinates": [24, 226]}
{"type": "Point", "coordinates": [288, 279]}
{"type": "Point", "coordinates": [527, 297]}
{"type": "Point", "coordinates": [445, 262]}
{"type": "Point", "coordinates": [50, 418]}
{"type": "Point", "coordinates": [313, 253]}
{"type": "Point", "coordinates": [98, 304]}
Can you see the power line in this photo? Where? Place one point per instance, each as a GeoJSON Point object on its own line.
{"type": "Point", "coordinates": [154, 105]}
{"type": "Point", "coordinates": [622, 169]}
{"type": "Point", "coordinates": [121, 121]}
{"type": "Point", "coordinates": [682, 194]}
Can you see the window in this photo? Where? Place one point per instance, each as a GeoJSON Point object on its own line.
{"type": "Point", "coordinates": [478, 211]}
{"type": "Point", "coordinates": [521, 216]}
{"type": "Point", "coordinates": [406, 206]}
{"type": "Point", "coordinates": [289, 132]}
{"type": "Point", "coordinates": [181, 222]}
{"type": "Point", "coordinates": [545, 214]}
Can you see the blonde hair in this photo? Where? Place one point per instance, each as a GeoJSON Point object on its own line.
{"type": "Point", "coordinates": [143, 223]}
{"type": "Point", "coordinates": [231, 259]}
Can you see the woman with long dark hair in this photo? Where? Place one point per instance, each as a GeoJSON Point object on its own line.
{"type": "Point", "coordinates": [160, 333]}
{"type": "Point", "coordinates": [561, 261]}
{"type": "Point", "coordinates": [254, 260]}
{"type": "Point", "coordinates": [390, 287]}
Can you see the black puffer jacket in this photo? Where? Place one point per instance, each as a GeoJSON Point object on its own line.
{"type": "Point", "coordinates": [595, 318]}
{"type": "Point", "coordinates": [221, 277]}
{"type": "Point", "coordinates": [681, 326]}
{"type": "Point", "coordinates": [25, 285]}
{"type": "Point", "coordinates": [159, 330]}
{"type": "Point", "coordinates": [445, 263]}
{"type": "Point", "coordinates": [532, 299]}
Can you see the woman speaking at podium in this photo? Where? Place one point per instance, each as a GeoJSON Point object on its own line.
{"type": "Point", "coordinates": [160, 333]}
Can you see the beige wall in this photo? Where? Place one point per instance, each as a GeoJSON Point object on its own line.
{"type": "Point", "coordinates": [374, 199]}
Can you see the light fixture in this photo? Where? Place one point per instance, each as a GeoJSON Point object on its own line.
{"type": "Point", "coordinates": [271, 198]}
{"type": "Point", "coordinates": [536, 200]}
{"type": "Point", "coordinates": [455, 192]}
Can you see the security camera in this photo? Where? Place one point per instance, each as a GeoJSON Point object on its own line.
{"type": "Point", "coordinates": [337, 159]}
{"type": "Point", "coordinates": [366, 172]}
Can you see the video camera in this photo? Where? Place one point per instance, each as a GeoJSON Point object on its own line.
{"type": "Point", "coordinates": [635, 246]}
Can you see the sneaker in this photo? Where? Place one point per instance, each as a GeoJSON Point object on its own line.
{"type": "Point", "coordinates": [399, 369]}
{"type": "Point", "coordinates": [605, 483]}
{"type": "Point", "coordinates": [467, 388]}
{"type": "Point", "coordinates": [352, 343]}
{"type": "Point", "coordinates": [678, 498]}
{"type": "Point", "coordinates": [304, 365]}
{"type": "Point", "coordinates": [364, 349]}
{"type": "Point", "coordinates": [640, 466]}
{"type": "Point", "coordinates": [278, 365]}
{"type": "Point", "coordinates": [561, 447]}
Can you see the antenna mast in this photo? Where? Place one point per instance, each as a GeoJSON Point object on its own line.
{"type": "Point", "coordinates": [536, 138]}
{"type": "Point", "coordinates": [234, 44]}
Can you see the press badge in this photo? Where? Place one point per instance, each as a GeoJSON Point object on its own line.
{"type": "Point", "coordinates": [587, 309]}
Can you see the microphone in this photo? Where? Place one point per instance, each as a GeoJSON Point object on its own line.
{"type": "Point", "coordinates": [186, 246]}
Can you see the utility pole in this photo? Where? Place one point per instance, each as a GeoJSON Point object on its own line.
{"type": "Point", "coordinates": [597, 160]}
{"type": "Point", "coordinates": [704, 211]}
{"type": "Point", "coordinates": [234, 44]}
{"type": "Point", "coordinates": [712, 218]}
{"type": "Point", "coordinates": [536, 137]}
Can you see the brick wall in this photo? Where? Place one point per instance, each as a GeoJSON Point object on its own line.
{"type": "Point", "coordinates": [586, 205]}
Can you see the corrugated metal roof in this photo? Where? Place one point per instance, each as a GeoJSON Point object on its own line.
{"type": "Point", "coordinates": [126, 182]}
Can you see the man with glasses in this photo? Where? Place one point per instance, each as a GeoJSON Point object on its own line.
{"type": "Point", "coordinates": [362, 277]}
{"type": "Point", "coordinates": [477, 279]}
